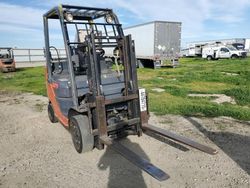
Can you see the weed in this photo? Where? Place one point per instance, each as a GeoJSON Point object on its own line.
{"type": "Point", "coordinates": [39, 107]}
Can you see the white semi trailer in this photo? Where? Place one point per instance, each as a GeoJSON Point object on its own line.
{"type": "Point", "coordinates": [156, 42]}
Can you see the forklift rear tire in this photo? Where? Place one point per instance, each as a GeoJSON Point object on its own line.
{"type": "Point", "coordinates": [82, 138]}
{"type": "Point", "coordinates": [51, 114]}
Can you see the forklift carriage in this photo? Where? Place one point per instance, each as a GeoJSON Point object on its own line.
{"type": "Point", "coordinates": [94, 90]}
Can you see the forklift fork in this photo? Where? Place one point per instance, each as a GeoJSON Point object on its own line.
{"type": "Point", "coordinates": [135, 159]}
{"type": "Point", "coordinates": [179, 138]}
{"type": "Point", "coordinates": [143, 163]}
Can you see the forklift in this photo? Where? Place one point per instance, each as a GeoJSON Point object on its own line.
{"type": "Point", "coordinates": [7, 62]}
{"type": "Point", "coordinates": [93, 90]}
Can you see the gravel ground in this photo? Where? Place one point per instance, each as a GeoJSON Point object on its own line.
{"type": "Point", "coordinates": [36, 153]}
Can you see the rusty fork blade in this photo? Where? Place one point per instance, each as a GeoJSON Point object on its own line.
{"type": "Point", "coordinates": [179, 138]}
{"type": "Point", "coordinates": [135, 159]}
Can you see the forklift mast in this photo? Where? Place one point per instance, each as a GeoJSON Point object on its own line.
{"type": "Point", "coordinates": [86, 56]}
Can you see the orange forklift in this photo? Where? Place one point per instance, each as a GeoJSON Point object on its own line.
{"type": "Point", "coordinates": [93, 91]}
{"type": "Point", "coordinates": [7, 62]}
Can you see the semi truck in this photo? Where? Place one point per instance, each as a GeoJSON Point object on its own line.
{"type": "Point", "coordinates": [156, 42]}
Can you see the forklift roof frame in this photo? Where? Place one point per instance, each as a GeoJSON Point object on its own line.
{"type": "Point", "coordinates": [79, 13]}
{"type": "Point", "coordinates": [10, 51]}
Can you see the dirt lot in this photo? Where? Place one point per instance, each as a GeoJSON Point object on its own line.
{"type": "Point", "coordinates": [36, 153]}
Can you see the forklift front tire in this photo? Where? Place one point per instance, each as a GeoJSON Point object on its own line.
{"type": "Point", "coordinates": [82, 138]}
{"type": "Point", "coordinates": [51, 114]}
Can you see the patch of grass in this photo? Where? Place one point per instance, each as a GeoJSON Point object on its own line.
{"type": "Point", "coordinates": [177, 90]}
{"type": "Point", "coordinates": [24, 80]}
{"type": "Point", "coordinates": [195, 107]}
{"type": "Point", "coordinates": [207, 87]}
{"type": "Point", "coordinates": [241, 94]}
{"type": "Point", "coordinates": [196, 75]}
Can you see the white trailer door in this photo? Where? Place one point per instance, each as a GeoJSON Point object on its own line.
{"type": "Point", "coordinates": [247, 45]}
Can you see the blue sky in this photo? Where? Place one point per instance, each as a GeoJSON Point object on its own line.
{"type": "Point", "coordinates": [21, 21]}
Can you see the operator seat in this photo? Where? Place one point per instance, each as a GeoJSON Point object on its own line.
{"type": "Point", "coordinates": [79, 60]}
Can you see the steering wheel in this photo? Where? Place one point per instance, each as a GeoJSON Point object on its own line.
{"type": "Point", "coordinates": [53, 47]}
{"type": "Point", "coordinates": [58, 59]}
{"type": "Point", "coordinates": [101, 52]}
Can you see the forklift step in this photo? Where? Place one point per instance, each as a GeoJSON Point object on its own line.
{"type": "Point", "coordinates": [179, 138]}
{"type": "Point", "coordinates": [135, 159]}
